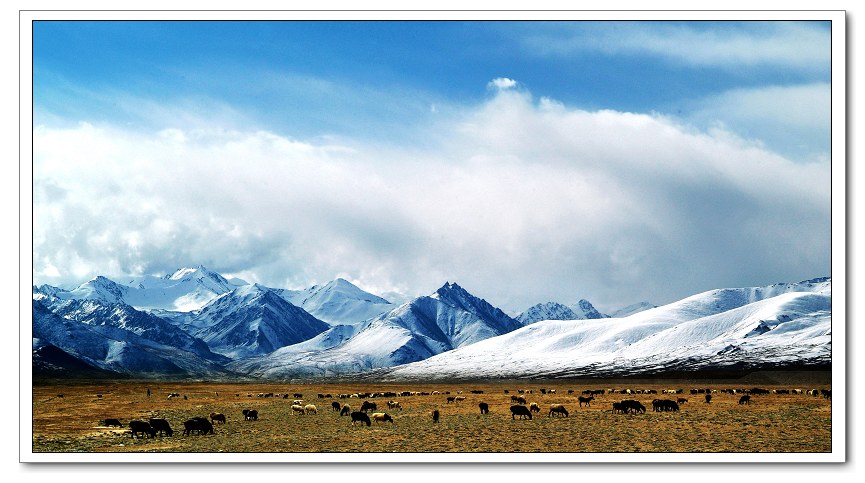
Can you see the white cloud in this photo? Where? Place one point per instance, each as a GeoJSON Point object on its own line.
{"type": "Point", "coordinates": [792, 120]}
{"type": "Point", "coordinates": [502, 83]}
{"type": "Point", "coordinates": [520, 202]}
{"type": "Point", "coordinates": [801, 45]}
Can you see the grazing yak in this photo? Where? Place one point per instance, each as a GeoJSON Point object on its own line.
{"type": "Point", "coordinates": [435, 415]}
{"type": "Point", "coordinates": [383, 417]}
{"type": "Point", "coordinates": [619, 408]}
{"type": "Point", "coordinates": [112, 422]}
{"type": "Point", "coordinates": [199, 424]}
{"type": "Point", "coordinates": [587, 400]}
{"type": "Point", "coordinates": [161, 426]}
{"type": "Point", "coordinates": [214, 417]}
{"type": "Point", "coordinates": [485, 408]}
{"type": "Point", "coordinates": [142, 428]}
{"type": "Point", "coordinates": [368, 406]}
{"type": "Point", "coordinates": [345, 410]}
{"type": "Point", "coordinates": [745, 399]}
{"type": "Point", "coordinates": [360, 416]}
{"type": "Point", "coordinates": [558, 409]}
{"type": "Point", "coordinates": [518, 399]}
{"type": "Point", "coordinates": [534, 408]}
{"type": "Point", "coordinates": [335, 406]}
{"type": "Point", "coordinates": [664, 405]}
{"type": "Point", "coordinates": [522, 411]}
{"type": "Point", "coordinates": [632, 405]}
{"type": "Point", "coordinates": [250, 414]}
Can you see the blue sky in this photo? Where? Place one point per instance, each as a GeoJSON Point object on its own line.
{"type": "Point", "coordinates": [416, 150]}
{"type": "Point", "coordinates": [277, 72]}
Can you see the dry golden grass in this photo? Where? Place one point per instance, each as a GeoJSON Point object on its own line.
{"type": "Point", "coordinates": [772, 423]}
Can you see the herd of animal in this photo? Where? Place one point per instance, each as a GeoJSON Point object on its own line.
{"type": "Point", "coordinates": [369, 412]}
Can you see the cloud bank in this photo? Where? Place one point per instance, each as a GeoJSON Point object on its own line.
{"type": "Point", "coordinates": [519, 200]}
{"type": "Point", "coordinates": [796, 45]}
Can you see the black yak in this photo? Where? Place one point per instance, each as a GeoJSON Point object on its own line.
{"type": "Point", "coordinates": [360, 416]}
{"type": "Point", "coordinates": [521, 411]}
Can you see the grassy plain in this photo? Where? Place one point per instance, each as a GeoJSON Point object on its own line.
{"type": "Point", "coordinates": [774, 423]}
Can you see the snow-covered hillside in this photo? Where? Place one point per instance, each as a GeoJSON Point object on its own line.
{"type": "Point", "coordinates": [631, 309]}
{"type": "Point", "coordinates": [194, 322]}
{"type": "Point", "coordinates": [449, 318]}
{"type": "Point", "coordinates": [338, 302]}
{"type": "Point", "coordinates": [185, 290]}
{"type": "Point", "coordinates": [748, 327]}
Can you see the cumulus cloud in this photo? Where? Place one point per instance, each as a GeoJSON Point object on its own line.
{"type": "Point", "coordinates": [519, 201]}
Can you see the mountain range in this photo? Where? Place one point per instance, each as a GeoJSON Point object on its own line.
{"type": "Point", "coordinates": [196, 323]}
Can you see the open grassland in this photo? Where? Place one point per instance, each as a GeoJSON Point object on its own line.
{"type": "Point", "coordinates": [773, 423]}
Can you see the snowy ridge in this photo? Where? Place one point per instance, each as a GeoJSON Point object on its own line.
{"type": "Point", "coordinates": [782, 323]}
{"type": "Point", "coordinates": [338, 302]}
{"type": "Point", "coordinates": [185, 290]}
{"type": "Point", "coordinates": [253, 320]}
{"type": "Point", "coordinates": [631, 309]}
{"type": "Point", "coordinates": [583, 310]}
{"type": "Point", "coordinates": [252, 330]}
{"type": "Point", "coordinates": [113, 348]}
{"type": "Point", "coordinates": [449, 318]}
{"type": "Point", "coordinates": [546, 311]}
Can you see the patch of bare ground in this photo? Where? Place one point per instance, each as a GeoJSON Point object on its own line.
{"type": "Point", "coordinates": [777, 423]}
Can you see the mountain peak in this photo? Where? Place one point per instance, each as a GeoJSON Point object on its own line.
{"type": "Point", "coordinates": [450, 289]}
{"type": "Point", "coordinates": [99, 288]}
{"type": "Point", "coordinates": [251, 290]}
{"type": "Point", "coordinates": [189, 272]}
{"type": "Point", "coordinates": [547, 311]}
{"type": "Point", "coordinates": [342, 285]}
{"type": "Point", "coordinates": [585, 310]}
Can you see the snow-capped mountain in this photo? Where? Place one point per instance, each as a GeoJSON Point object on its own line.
{"type": "Point", "coordinates": [338, 302]}
{"type": "Point", "coordinates": [99, 289]}
{"type": "Point", "coordinates": [585, 310]}
{"type": "Point", "coordinates": [184, 290]}
{"type": "Point", "coordinates": [582, 310]}
{"type": "Point", "coordinates": [248, 329]}
{"type": "Point", "coordinates": [748, 327]}
{"type": "Point", "coordinates": [96, 312]}
{"type": "Point", "coordinates": [546, 311]}
{"type": "Point", "coordinates": [252, 320]}
{"type": "Point", "coordinates": [111, 342]}
{"type": "Point", "coordinates": [449, 318]}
